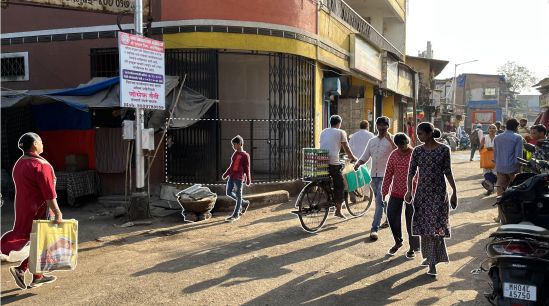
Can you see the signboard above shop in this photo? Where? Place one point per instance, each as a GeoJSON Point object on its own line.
{"type": "Point", "coordinates": [365, 58]}
{"type": "Point", "coordinates": [106, 6]}
{"type": "Point", "coordinates": [142, 81]}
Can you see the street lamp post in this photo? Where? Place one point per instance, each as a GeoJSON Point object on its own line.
{"type": "Point", "coordinates": [455, 83]}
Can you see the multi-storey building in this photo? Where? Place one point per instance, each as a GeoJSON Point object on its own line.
{"type": "Point", "coordinates": [279, 69]}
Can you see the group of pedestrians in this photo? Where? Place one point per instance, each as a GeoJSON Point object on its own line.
{"type": "Point", "coordinates": [413, 178]}
{"type": "Point", "coordinates": [506, 146]}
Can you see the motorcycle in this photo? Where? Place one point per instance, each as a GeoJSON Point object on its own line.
{"type": "Point", "coordinates": [519, 250]}
{"type": "Point", "coordinates": [451, 140]}
{"type": "Point", "coordinates": [464, 142]}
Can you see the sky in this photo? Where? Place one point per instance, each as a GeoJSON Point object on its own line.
{"type": "Point", "coordinates": [490, 31]}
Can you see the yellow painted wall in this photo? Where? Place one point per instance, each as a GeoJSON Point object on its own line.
{"type": "Point", "coordinates": [400, 7]}
{"type": "Point", "coordinates": [239, 42]}
{"type": "Point", "coordinates": [319, 74]}
{"type": "Point", "coordinates": [369, 101]}
{"type": "Point", "coordinates": [333, 30]}
{"type": "Point", "coordinates": [388, 110]}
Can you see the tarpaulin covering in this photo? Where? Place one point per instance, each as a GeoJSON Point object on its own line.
{"type": "Point", "coordinates": [192, 105]}
{"type": "Point", "coordinates": [105, 93]}
{"type": "Point", "coordinates": [59, 116]}
{"type": "Point", "coordinates": [58, 144]}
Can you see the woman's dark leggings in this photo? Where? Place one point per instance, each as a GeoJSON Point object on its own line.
{"type": "Point", "coordinates": [394, 213]}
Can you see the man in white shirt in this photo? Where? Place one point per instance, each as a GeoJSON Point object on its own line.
{"type": "Point", "coordinates": [333, 139]}
{"type": "Point", "coordinates": [378, 149]}
{"type": "Point", "coordinates": [359, 140]}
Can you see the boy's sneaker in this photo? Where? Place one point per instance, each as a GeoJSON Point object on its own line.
{"type": "Point", "coordinates": [19, 277]}
{"type": "Point", "coordinates": [245, 206]}
{"type": "Point", "coordinates": [424, 263]}
{"type": "Point", "coordinates": [45, 279]}
{"type": "Point", "coordinates": [384, 225]}
{"type": "Point", "coordinates": [373, 236]}
{"type": "Point", "coordinates": [232, 218]}
{"type": "Point", "coordinates": [410, 254]}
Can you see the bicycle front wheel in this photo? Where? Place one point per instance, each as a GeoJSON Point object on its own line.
{"type": "Point", "coordinates": [359, 201]}
{"type": "Point", "coordinates": [313, 207]}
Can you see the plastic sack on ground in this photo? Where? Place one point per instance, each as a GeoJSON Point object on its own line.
{"type": "Point", "coordinates": [53, 246]}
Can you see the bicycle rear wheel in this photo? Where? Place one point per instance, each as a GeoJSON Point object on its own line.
{"type": "Point", "coordinates": [313, 207]}
{"type": "Point", "coordinates": [359, 201]}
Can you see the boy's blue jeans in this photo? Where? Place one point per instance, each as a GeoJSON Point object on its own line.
{"type": "Point", "coordinates": [377, 182]}
{"type": "Point", "coordinates": [234, 190]}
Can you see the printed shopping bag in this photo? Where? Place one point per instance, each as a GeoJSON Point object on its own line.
{"type": "Point", "coordinates": [366, 174]}
{"type": "Point", "coordinates": [357, 179]}
{"type": "Point", "coordinates": [486, 159]}
{"type": "Point", "coordinates": [53, 246]}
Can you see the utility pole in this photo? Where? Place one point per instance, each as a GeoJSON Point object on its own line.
{"type": "Point", "coordinates": [455, 86]}
{"type": "Point", "coordinates": [139, 203]}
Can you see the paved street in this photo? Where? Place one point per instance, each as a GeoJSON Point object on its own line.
{"type": "Point", "coordinates": [265, 259]}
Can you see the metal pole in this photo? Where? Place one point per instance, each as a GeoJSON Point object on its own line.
{"type": "Point", "coordinates": [139, 113]}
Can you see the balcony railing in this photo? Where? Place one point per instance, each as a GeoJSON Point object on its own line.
{"type": "Point", "coordinates": [350, 16]}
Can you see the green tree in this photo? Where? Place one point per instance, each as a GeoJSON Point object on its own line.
{"type": "Point", "coordinates": [518, 77]}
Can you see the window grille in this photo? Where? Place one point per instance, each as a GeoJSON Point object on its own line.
{"type": "Point", "coordinates": [15, 66]}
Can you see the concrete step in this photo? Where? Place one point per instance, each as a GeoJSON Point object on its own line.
{"type": "Point", "coordinates": [257, 200]}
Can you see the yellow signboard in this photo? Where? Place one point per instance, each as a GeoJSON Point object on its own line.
{"type": "Point", "coordinates": [106, 6]}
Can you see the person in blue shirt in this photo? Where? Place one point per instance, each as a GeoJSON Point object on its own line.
{"type": "Point", "coordinates": [507, 147]}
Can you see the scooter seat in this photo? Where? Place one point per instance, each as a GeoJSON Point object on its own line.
{"type": "Point", "coordinates": [523, 228]}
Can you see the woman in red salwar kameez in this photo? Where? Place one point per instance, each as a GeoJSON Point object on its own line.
{"type": "Point", "coordinates": [34, 193]}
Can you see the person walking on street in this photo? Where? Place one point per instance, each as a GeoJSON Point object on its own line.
{"type": "Point", "coordinates": [487, 143]}
{"type": "Point", "coordinates": [238, 171]}
{"type": "Point", "coordinates": [499, 127]}
{"type": "Point", "coordinates": [523, 129]}
{"type": "Point", "coordinates": [378, 149]}
{"type": "Point", "coordinates": [476, 136]}
{"type": "Point", "coordinates": [395, 177]}
{"type": "Point", "coordinates": [359, 140]}
{"type": "Point", "coordinates": [35, 199]}
{"type": "Point", "coordinates": [507, 148]}
{"type": "Point", "coordinates": [431, 161]}
{"type": "Point", "coordinates": [333, 139]}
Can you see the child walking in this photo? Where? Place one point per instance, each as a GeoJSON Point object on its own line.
{"type": "Point", "coordinates": [236, 173]}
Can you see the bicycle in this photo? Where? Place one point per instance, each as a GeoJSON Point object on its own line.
{"type": "Point", "coordinates": [317, 197]}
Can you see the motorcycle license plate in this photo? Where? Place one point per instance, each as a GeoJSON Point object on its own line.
{"type": "Point", "coordinates": [519, 291]}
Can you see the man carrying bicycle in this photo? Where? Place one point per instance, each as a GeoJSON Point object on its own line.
{"type": "Point", "coordinates": [333, 139]}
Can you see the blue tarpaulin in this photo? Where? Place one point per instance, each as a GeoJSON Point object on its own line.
{"type": "Point", "coordinates": [60, 116]}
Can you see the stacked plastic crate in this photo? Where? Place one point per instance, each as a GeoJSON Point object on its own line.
{"type": "Point", "coordinates": [315, 163]}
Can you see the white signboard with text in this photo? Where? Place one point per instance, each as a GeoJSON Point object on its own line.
{"type": "Point", "coordinates": [142, 79]}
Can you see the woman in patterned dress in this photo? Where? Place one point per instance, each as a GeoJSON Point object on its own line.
{"type": "Point", "coordinates": [432, 162]}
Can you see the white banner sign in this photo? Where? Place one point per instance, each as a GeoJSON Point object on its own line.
{"type": "Point", "coordinates": [142, 79]}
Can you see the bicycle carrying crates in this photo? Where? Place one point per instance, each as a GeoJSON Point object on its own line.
{"type": "Point", "coordinates": [315, 163]}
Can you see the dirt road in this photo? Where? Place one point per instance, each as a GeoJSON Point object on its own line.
{"type": "Point", "coordinates": [265, 259]}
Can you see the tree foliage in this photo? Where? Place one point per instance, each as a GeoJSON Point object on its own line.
{"type": "Point", "coordinates": [518, 77]}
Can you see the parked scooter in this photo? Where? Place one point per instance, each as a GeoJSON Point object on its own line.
{"type": "Point", "coordinates": [519, 251]}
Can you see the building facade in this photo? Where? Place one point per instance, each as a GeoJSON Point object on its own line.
{"type": "Point", "coordinates": [486, 99]}
{"type": "Point", "coordinates": [278, 69]}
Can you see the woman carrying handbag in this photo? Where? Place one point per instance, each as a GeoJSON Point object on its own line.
{"type": "Point", "coordinates": [487, 159]}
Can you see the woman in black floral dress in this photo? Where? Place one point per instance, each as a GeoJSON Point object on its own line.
{"type": "Point", "coordinates": [432, 162]}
